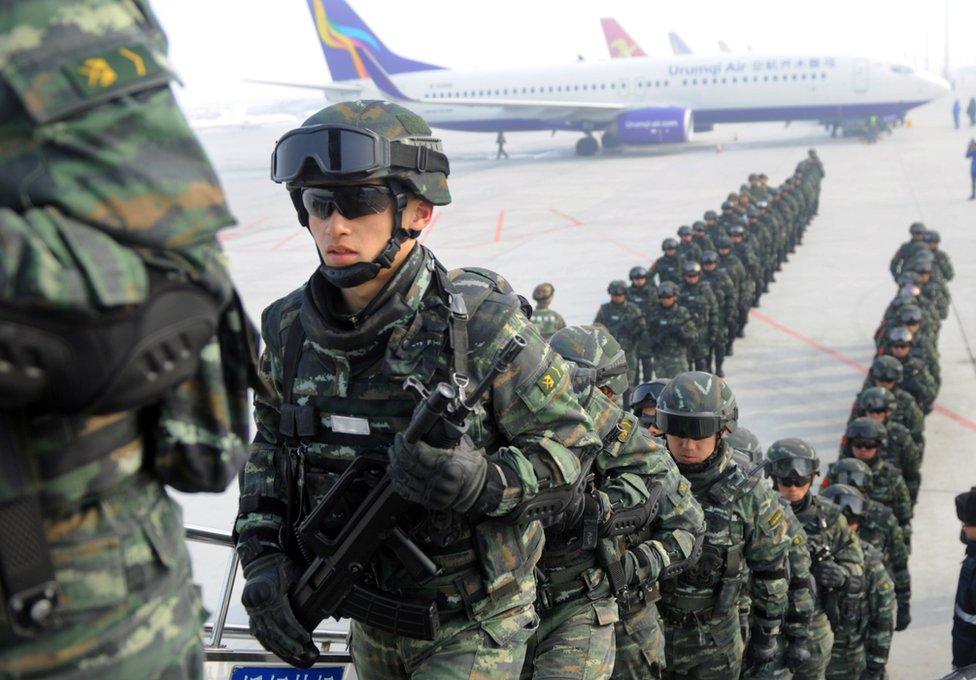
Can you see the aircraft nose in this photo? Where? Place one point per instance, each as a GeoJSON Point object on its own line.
{"type": "Point", "coordinates": [932, 85]}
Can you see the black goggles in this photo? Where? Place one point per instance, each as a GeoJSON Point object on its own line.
{"type": "Point", "coordinates": [794, 479]}
{"type": "Point", "coordinates": [646, 420]}
{"type": "Point", "coordinates": [900, 345]}
{"type": "Point", "coordinates": [865, 443]}
{"type": "Point", "coordinates": [342, 150]}
{"type": "Point", "coordinates": [855, 478]}
{"type": "Point", "coordinates": [851, 506]}
{"type": "Point", "coordinates": [697, 426]}
{"type": "Point", "coordinates": [791, 467]}
{"type": "Point", "coordinates": [351, 201]}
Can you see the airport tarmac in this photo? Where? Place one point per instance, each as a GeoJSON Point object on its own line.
{"type": "Point", "coordinates": [545, 215]}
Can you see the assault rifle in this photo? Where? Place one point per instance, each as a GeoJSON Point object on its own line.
{"type": "Point", "coordinates": [336, 583]}
{"type": "Point", "coordinates": [821, 552]}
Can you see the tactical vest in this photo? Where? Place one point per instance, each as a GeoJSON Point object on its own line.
{"type": "Point", "coordinates": [693, 299]}
{"type": "Point", "coordinates": [324, 425]}
{"type": "Point", "coordinates": [711, 588]}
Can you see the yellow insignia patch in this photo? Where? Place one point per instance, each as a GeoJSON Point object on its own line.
{"type": "Point", "coordinates": [797, 540]}
{"type": "Point", "coordinates": [682, 487]}
{"type": "Point", "coordinates": [776, 518]}
{"type": "Point", "coordinates": [626, 425]}
{"type": "Point", "coordinates": [547, 383]}
{"type": "Point", "coordinates": [113, 69]}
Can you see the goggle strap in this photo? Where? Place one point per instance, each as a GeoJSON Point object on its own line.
{"type": "Point", "coordinates": [419, 158]}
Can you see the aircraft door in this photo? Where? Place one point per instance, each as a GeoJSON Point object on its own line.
{"type": "Point", "coordinates": [862, 70]}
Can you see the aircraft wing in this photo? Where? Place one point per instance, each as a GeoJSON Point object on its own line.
{"type": "Point", "coordinates": [332, 88]}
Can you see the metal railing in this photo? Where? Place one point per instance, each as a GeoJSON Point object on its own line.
{"type": "Point", "coordinates": [216, 632]}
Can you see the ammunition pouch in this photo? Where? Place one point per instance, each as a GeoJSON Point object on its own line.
{"type": "Point", "coordinates": [65, 362]}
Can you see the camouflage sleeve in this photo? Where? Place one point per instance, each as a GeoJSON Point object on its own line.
{"type": "Point", "coordinates": [846, 549]}
{"type": "Point", "coordinates": [910, 462]}
{"type": "Point", "coordinates": [642, 472]}
{"type": "Point", "coordinates": [901, 505]}
{"type": "Point", "coordinates": [881, 614]}
{"type": "Point", "coordinates": [545, 429]}
{"type": "Point", "coordinates": [766, 550]}
{"type": "Point", "coordinates": [687, 330]}
{"type": "Point", "coordinates": [801, 599]}
{"type": "Point", "coordinates": [899, 560]}
{"type": "Point", "coordinates": [895, 265]}
{"type": "Point", "coordinates": [599, 316]}
{"type": "Point", "coordinates": [945, 264]}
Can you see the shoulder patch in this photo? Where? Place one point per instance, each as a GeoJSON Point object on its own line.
{"type": "Point", "coordinates": [798, 539]}
{"type": "Point", "coordinates": [776, 518]}
{"type": "Point", "coordinates": [683, 487]}
{"type": "Point", "coordinates": [626, 427]}
{"type": "Point", "coordinates": [112, 69]}
{"type": "Point", "coordinates": [548, 381]}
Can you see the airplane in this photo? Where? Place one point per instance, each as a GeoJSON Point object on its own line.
{"type": "Point", "coordinates": [678, 46]}
{"type": "Point", "coordinates": [638, 101]}
{"type": "Point", "coordinates": [619, 42]}
{"type": "Point", "coordinates": [723, 47]}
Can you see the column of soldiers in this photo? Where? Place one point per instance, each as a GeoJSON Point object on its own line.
{"type": "Point", "coordinates": [686, 310]}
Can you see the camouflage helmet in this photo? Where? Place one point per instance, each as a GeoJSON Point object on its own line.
{"type": "Point", "coordinates": [690, 268]}
{"type": "Point", "coordinates": [910, 314]}
{"type": "Point", "coordinates": [903, 299]}
{"type": "Point", "coordinates": [812, 153]}
{"type": "Point", "coordinates": [646, 394]}
{"type": "Point", "coordinates": [727, 206]}
{"type": "Point", "coordinates": [876, 400]}
{"type": "Point", "coordinates": [698, 227]}
{"type": "Point", "coordinates": [544, 291]}
{"type": "Point", "coordinates": [710, 215]}
{"type": "Point", "coordinates": [887, 369]}
{"type": "Point", "coordinates": [637, 273]}
{"type": "Point", "coordinates": [667, 288]}
{"type": "Point", "coordinates": [669, 244]}
{"type": "Point", "coordinates": [921, 264]}
{"type": "Point", "coordinates": [697, 405]}
{"type": "Point", "coordinates": [709, 257]}
{"type": "Point", "coordinates": [866, 428]}
{"type": "Point", "coordinates": [743, 440]}
{"type": "Point", "coordinates": [899, 335]}
{"type": "Point", "coordinates": [917, 228]}
{"type": "Point", "coordinates": [617, 287]}
{"type": "Point", "coordinates": [723, 243]}
{"type": "Point", "coordinates": [852, 472]}
{"type": "Point", "coordinates": [762, 204]}
{"type": "Point", "coordinates": [391, 122]}
{"type": "Point", "coordinates": [593, 348]}
{"type": "Point", "coordinates": [737, 230]}
{"type": "Point", "coordinates": [907, 278]}
{"type": "Point", "coordinates": [791, 457]}
{"type": "Point", "coordinates": [910, 289]}
{"type": "Point", "coordinates": [849, 499]}
{"type": "Point", "coordinates": [684, 230]}
{"type": "Point", "coordinates": [932, 236]}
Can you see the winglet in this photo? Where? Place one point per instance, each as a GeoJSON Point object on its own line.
{"type": "Point", "coordinates": [678, 46]}
{"type": "Point", "coordinates": [619, 42]}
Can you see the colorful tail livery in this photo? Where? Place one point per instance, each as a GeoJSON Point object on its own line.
{"type": "Point", "coordinates": [346, 40]}
{"type": "Point", "coordinates": [619, 42]}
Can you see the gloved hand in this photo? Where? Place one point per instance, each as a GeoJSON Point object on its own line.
{"type": "Point", "coordinates": [797, 654]}
{"type": "Point", "coordinates": [761, 649]}
{"type": "Point", "coordinates": [874, 672]}
{"type": "Point", "coordinates": [437, 478]}
{"type": "Point", "coordinates": [829, 574]}
{"type": "Point", "coordinates": [272, 621]}
{"type": "Point", "coordinates": [903, 617]}
{"type": "Point", "coordinates": [643, 564]}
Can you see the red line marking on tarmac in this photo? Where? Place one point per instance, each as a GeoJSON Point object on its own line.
{"type": "Point", "coordinates": [286, 239]}
{"type": "Point", "coordinates": [626, 247]}
{"type": "Point", "coordinates": [498, 226]}
{"type": "Point", "coordinates": [430, 227]}
{"type": "Point", "coordinates": [234, 233]}
{"type": "Point", "coordinates": [844, 359]}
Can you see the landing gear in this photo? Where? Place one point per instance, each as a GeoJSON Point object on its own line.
{"type": "Point", "coordinates": [587, 146]}
{"type": "Point", "coordinates": [610, 140]}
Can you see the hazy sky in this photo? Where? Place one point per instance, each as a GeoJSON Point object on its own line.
{"type": "Point", "coordinates": [215, 44]}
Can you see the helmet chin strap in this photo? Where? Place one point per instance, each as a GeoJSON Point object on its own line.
{"type": "Point", "coordinates": [357, 274]}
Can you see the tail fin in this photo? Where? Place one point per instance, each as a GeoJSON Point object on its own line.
{"type": "Point", "coordinates": [620, 44]}
{"type": "Point", "coordinates": [678, 46]}
{"type": "Point", "coordinates": [345, 38]}
{"type": "Point", "coordinates": [723, 47]}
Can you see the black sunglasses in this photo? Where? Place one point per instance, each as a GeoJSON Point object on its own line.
{"type": "Point", "coordinates": [794, 480]}
{"type": "Point", "coordinates": [865, 444]}
{"type": "Point", "coordinates": [351, 201]}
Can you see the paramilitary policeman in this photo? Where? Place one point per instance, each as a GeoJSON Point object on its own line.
{"type": "Point", "coordinates": [877, 525]}
{"type": "Point", "coordinates": [625, 321]}
{"type": "Point", "coordinates": [836, 556]}
{"type": "Point", "coordinates": [643, 404]}
{"type": "Point", "coordinates": [546, 320]}
{"type": "Point", "coordinates": [126, 353]}
{"type": "Point", "coordinates": [933, 240]}
{"type": "Point", "coordinates": [379, 314]}
{"type": "Point", "coordinates": [697, 297]}
{"type": "Point", "coordinates": [900, 449]}
{"type": "Point", "coordinates": [660, 530]}
{"type": "Point", "coordinates": [643, 294]}
{"type": "Point", "coordinates": [726, 295]}
{"type": "Point", "coordinates": [745, 528]}
{"type": "Point", "coordinates": [907, 250]}
{"type": "Point", "coordinates": [876, 630]}
{"type": "Point", "coordinates": [670, 329]}
{"type": "Point", "coordinates": [688, 249]}
{"type": "Point", "coordinates": [916, 378]}
{"type": "Point", "coordinates": [668, 266]}
{"type": "Point", "coordinates": [887, 372]}
{"type": "Point", "coordinates": [865, 439]}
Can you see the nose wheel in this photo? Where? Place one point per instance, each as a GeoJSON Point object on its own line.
{"type": "Point", "coordinates": [587, 146]}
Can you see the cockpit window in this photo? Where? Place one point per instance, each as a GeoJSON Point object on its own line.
{"type": "Point", "coordinates": [899, 68]}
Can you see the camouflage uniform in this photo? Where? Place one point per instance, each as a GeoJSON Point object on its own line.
{"type": "Point", "coordinates": [670, 330]}
{"type": "Point", "coordinates": [644, 297]}
{"type": "Point", "coordinates": [689, 251]}
{"type": "Point", "coordinates": [887, 488]}
{"type": "Point", "coordinates": [881, 613]}
{"type": "Point", "coordinates": [880, 529]}
{"type": "Point", "coordinates": [547, 321]}
{"type": "Point", "coordinates": [726, 296]}
{"type": "Point", "coordinates": [533, 431]}
{"type": "Point", "coordinates": [666, 268]}
{"type": "Point", "coordinates": [745, 526]}
{"type": "Point", "coordinates": [100, 178]}
{"type": "Point", "coordinates": [906, 252]}
{"type": "Point", "coordinates": [625, 322]}
{"type": "Point", "coordinates": [887, 372]}
{"type": "Point", "coordinates": [699, 300]}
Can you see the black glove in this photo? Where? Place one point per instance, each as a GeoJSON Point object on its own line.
{"type": "Point", "coordinates": [829, 574]}
{"type": "Point", "coordinates": [437, 478]}
{"type": "Point", "coordinates": [874, 672]}
{"type": "Point", "coordinates": [797, 654]}
{"type": "Point", "coordinates": [762, 648]}
{"type": "Point", "coordinates": [903, 617]}
{"type": "Point", "coordinates": [272, 621]}
{"type": "Point", "coordinates": [642, 564]}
